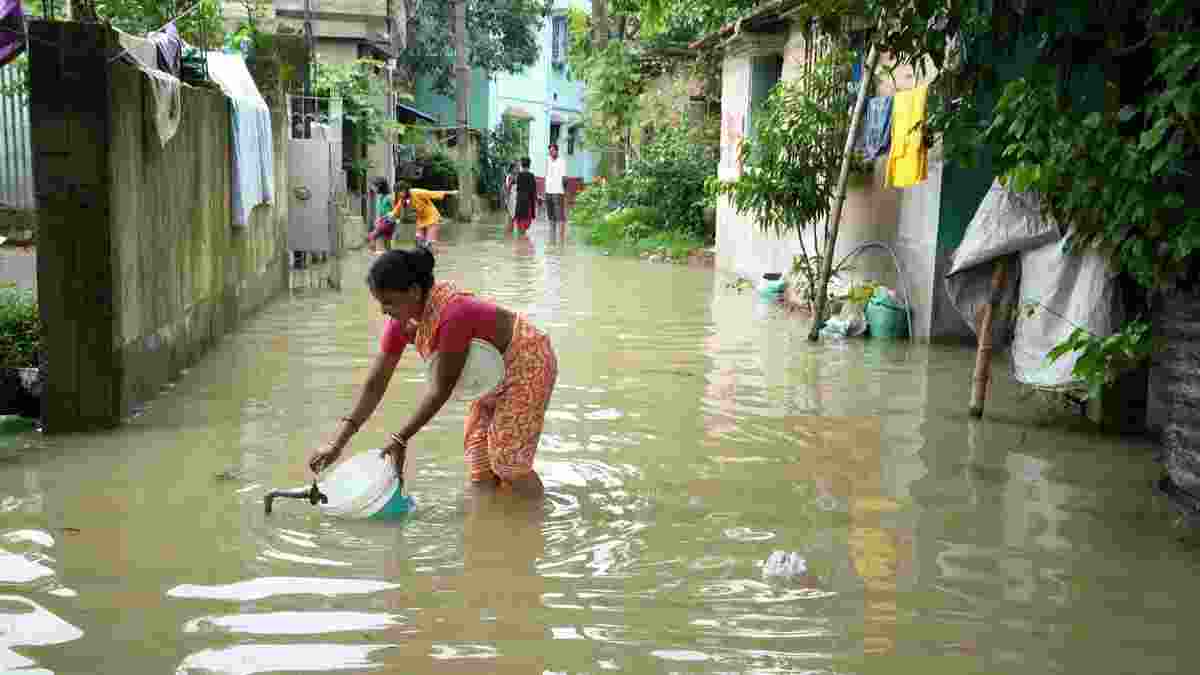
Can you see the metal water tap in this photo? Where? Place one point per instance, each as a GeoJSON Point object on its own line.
{"type": "Point", "coordinates": [313, 494]}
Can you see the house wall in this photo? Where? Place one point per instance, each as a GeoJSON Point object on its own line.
{"type": "Point", "coordinates": [545, 92]}
{"type": "Point", "coordinates": [158, 272]}
{"type": "Point", "coordinates": [904, 219]}
{"type": "Point", "coordinates": [869, 213]}
{"type": "Point", "coordinates": [445, 108]}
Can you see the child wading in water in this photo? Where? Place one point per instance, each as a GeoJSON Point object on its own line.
{"type": "Point", "coordinates": [503, 427]}
{"type": "Point", "coordinates": [526, 198]}
{"type": "Point", "coordinates": [428, 217]}
{"type": "Point", "coordinates": [385, 223]}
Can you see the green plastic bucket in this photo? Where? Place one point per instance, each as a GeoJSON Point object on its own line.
{"type": "Point", "coordinates": [887, 319]}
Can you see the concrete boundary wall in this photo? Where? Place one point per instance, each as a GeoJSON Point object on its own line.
{"type": "Point", "coordinates": [139, 266]}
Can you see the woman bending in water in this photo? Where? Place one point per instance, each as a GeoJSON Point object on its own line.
{"type": "Point", "coordinates": [503, 428]}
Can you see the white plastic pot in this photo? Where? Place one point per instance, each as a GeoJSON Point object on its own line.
{"type": "Point", "coordinates": [482, 373]}
{"type": "Point", "coordinates": [364, 486]}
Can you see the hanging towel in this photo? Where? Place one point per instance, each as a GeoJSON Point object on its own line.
{"type": "Point", "coordinates": [166, 104]}
{"type": "Point", "coordinates": [908, 162]}
{"type": "Point", "coordinates": [12, 30]}
{"type": "Point", "coordinates": [250, 122]}
{"type": "Point", "coordinates": [139, 51]}
{"type": "Point", "coordinates": [877, 132]}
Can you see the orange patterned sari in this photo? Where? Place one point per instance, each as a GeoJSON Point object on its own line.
{"type": "Point", "coordinates": [503, 429]}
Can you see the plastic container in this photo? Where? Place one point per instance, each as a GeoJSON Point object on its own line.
{"type": "Point", "coordinates": [365, 486]}
{"type": "Point", "coordinates": [886, 318]}
{"type": "Point", "coordinates": [772, 283]}
{"type": "Point", "coordinates": [785, 565]}
{"type": "Point", "coordinates": [482, 373]}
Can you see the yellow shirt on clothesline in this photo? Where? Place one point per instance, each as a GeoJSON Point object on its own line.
{"type": "Point", "coordinates": [908, 163]}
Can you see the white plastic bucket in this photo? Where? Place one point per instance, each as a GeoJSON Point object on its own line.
{"type": "Point", "coordinates": [481, 374]}
{"type": "Point", "coordinates": [364, 486]}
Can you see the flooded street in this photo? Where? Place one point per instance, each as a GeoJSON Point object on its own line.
{"type": "Point", "coordinates": [693, 432]}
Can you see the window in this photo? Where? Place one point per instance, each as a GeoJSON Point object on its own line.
{"type": "Point", "coordinates": [555, 131]}
{"type": "Point", "coordinates": [765, 73]}
{"type": "Point", "coordinates": [572, 134]}
{"type": "Point", "coordinates": [558, 39]}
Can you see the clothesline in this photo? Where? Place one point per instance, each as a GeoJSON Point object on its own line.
{"type": "Point", "coordinates": [29, 38]}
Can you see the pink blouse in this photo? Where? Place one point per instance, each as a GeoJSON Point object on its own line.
{"type": "Point", "coordinates": [464, 319]}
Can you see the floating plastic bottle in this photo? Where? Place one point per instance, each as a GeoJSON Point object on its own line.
{"type": "Point", "coordinates": [785, 565]}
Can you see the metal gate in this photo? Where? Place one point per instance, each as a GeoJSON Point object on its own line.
{"type": "Point", "coordinates": [16, 166]}
{"type": "Point", "coordinates": [315, 176]}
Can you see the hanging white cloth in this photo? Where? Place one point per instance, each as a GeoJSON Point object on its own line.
{"type": "Point", "coordinates": [166, 103]}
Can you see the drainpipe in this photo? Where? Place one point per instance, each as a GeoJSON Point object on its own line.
{"type": "Point", "coordinates": [308, 45]}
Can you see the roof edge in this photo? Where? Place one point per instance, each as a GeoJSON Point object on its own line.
{"type": "Point", "coordinates": [772, 8]}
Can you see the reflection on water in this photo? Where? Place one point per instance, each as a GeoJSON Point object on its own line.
{"type": "Point", "coordinates": [693, 433]}
{"type": "Point", "coordinates": [24, 623]}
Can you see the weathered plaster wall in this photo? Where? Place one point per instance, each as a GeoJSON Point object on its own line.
{"type": "Point", "coordinates": [906, 219]}
{"type": "Point", "coordinates": [184, 276]}
{"type": "Point", "coordinates": [137, 236]}
{"type": "Point", "coordinates": [870, 211]}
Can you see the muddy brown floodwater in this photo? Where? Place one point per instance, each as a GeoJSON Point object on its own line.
{"type": "Point", "coordinates": [694, 432]}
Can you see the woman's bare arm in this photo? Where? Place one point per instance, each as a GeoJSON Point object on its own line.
{"type": "Point", "coordinates": [369, 397]}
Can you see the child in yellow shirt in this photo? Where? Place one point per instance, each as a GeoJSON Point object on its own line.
{"type": "Point", "coordinates": [428, 217]}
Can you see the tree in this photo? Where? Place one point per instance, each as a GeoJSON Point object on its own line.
{"type": "Point", "coordinates": [462, 99]}
{"type": "Point", "coordinates": [795, 162]}
{"type": "Point", "coordinates": [611, 51]}
{"type": "Point", "coordinates": [502, 37]}
{"type": "Point", "coordinates": [138, 17]}
{"type": "Point", "coordinates": [361, 89]}
{"type": "Point", "coordinates": [686, 19]}
{"type": "Point", "coordinates": [1116, 168]}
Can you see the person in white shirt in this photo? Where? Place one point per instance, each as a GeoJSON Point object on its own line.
{"type": "Point", "coordinates": [556, 171]}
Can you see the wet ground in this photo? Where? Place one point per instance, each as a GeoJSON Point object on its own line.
{"type": "Point", "coordinates": [694, 432]}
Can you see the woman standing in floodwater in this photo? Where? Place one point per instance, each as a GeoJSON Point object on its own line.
{"type": "Point", "coordinates": [502, 428]}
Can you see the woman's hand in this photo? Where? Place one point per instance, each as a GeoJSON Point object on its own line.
{"type": "Point", "coordinates": [323, 458]}
{"type": "Point", "coordinates": [397, 450]}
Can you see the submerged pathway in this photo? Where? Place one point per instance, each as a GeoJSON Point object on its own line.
{"type": "Point", "coordinates": [694, 432]}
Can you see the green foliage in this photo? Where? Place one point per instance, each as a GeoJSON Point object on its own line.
{"type": "Point", "coordinates": [795, 153]}
{"type": "Point", "coordinates": [1102, 360]}
{"type": "Point", "coordinates": [20, 85]}
{"type": "Point", "coordinates": [671, 244]}
{"type": "Point", "coordinates": [687, 20]}
{"type": "Point", "coordinates": [20, 327]}
{"type": "Point", "coordinates": [670, 176]}
{"type": "Point", "coordinates": [498, 149]}
{"type": "Point", "coordinates": [502, 37]}
{"type": "Point", "coordinates": [440, 171]}
{"type": "Point", "coordinates": [614, 82]}
{"type": "Point", "coordinates": [1121, 177]}
{"type": "Point", "coordinates": [794, 158]}
{"type": "Point", "coordinates": [251, 28]}
{"type": "Point", "coordinates": [135, 17]}
{"type": "Point", "coordinates": [138, 17]}
{"type": "Point", "coordinates": [624, 226]}
{"type": "Point", "coordinates": [1115, 168]}
{"type": "Point", "coordinates": [592, 205]}
{"type": "Point", "coordinates": [363, 95]}
{"type": "Point", "coordinates": [658, 204]}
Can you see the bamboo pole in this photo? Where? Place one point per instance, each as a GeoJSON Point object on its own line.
{"type": "Point", "coordinates": [840, 199]}
{"type": "Point", "coordinates": [983, 353]}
